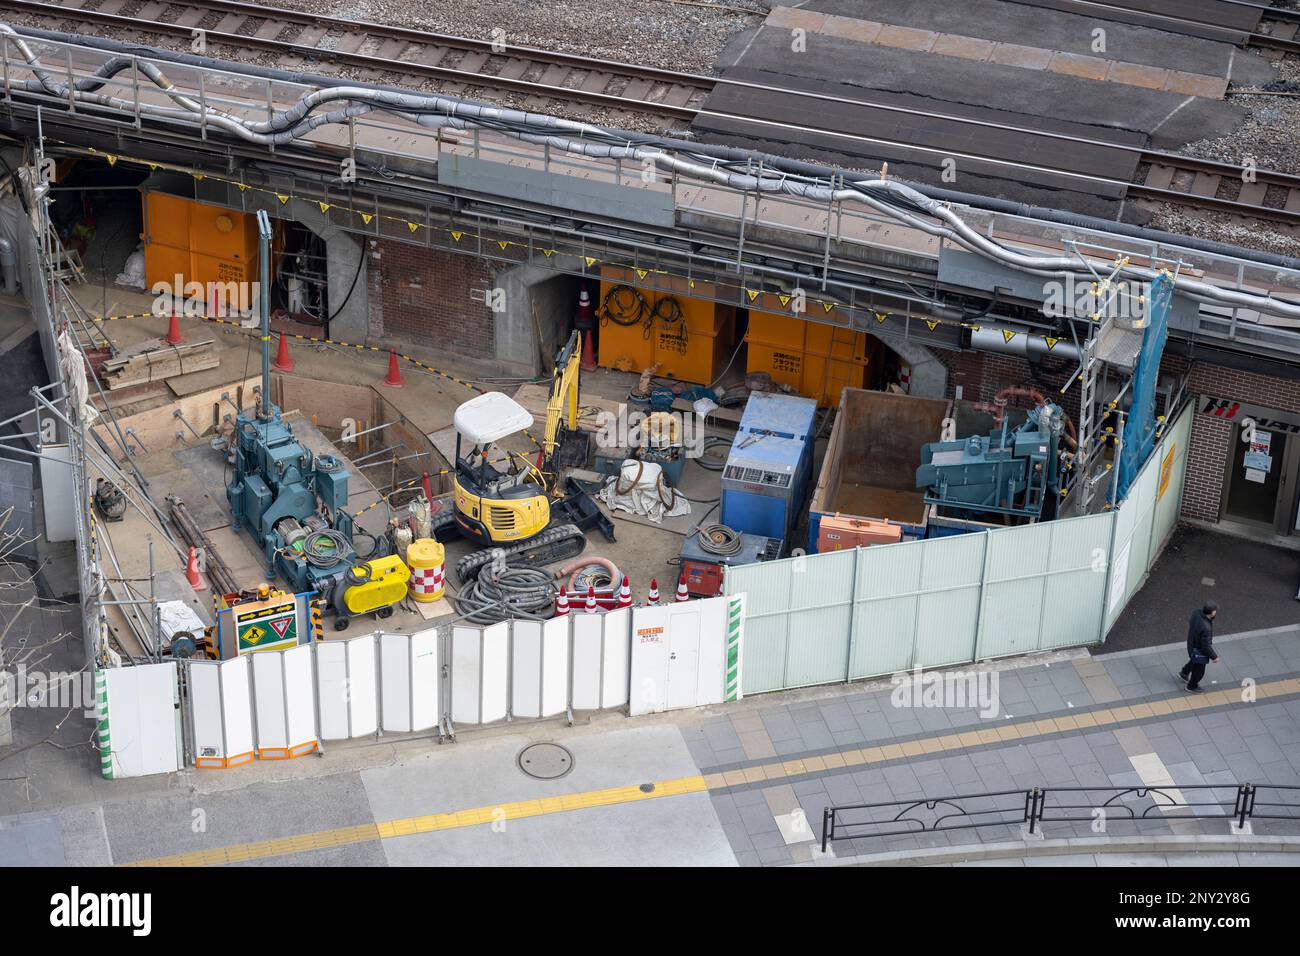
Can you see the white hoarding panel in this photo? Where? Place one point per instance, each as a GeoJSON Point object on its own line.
{"type": "Point", "coordinates": [649, 681]}
{"type": "Point", "coordinates": [142, 719]}
{"type": "Point", "coordinates": [496, 672]}
{"type": "Point", "coordinates": [363, 689]}
{"type": "Point", "coordinates": [587, 663]}
{"type": "Point", "coordinates": [616, 651]}
{"type": "Point", "coordinates": [299, 699]}
{"type": "Point", "coordinates": [713, 651]}
{"type": "Point", "coordinates": [466, 673]}
{"type": "Point", "coordinates": [237, 708]}
{"type": "Point", "coordinates": [395, 681]}
{"type": "Point", "coordinates": [332, 689]}
{"type": "Point", "coordinates": [425, 680]}
{"type": "Point", "coordinates": [555, 666]}
{"type": "Point", "coordinates": [526, 669]}
{"type": "Point", "coordinates": [268, 696]}
{"type": "Point", "coordinates": [204, 688]}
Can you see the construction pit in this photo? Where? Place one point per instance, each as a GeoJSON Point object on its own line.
{"type": "Point", "coordinates": [172, 428]}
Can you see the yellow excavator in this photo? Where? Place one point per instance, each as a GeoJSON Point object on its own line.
{"type": "Point", "coordinates": [503, 499]}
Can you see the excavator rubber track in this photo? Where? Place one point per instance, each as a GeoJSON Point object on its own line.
{"type": "Point", "coordinates": [554, 544]}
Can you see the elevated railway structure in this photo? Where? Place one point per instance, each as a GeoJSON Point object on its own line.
{"type": "Point", "coordinates": [1114, 165]}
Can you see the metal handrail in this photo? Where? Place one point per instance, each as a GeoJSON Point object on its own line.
{"type": "Point", "coordinates": [1035, 806]}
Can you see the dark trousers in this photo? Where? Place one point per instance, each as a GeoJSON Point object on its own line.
{"type": "Point", "coordinates": [1192, 672]}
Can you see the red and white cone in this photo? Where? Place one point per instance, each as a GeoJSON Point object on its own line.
{"type": "Point", "coordinates": [192, 572]}
{"type": "Point", "coordinates": [174, 330]}
{"type": "Point", "coordinates": [562, 603]}
{"type": "Point", "coordinates": [625, 593]}
{"type": "Point", "coordinates": [682, 593]}
{"type": "Point", "coordinates": [591, 600]}
{"type": "Point", "coordinates": [653, 597]}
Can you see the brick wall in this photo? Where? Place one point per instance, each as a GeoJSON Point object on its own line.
{"type": "Point", "coordinates": [982, 375]}
{"type": "Point", "coordinates": [1211, 438]}
{"type": "Point", "coordinates": [422, 297]}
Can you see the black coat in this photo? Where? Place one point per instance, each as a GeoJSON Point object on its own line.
{"type": "Point", "coordinates": [1200, 637]}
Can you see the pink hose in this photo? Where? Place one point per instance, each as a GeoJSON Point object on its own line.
{"type": "Point", "coordinates": [574, 567]}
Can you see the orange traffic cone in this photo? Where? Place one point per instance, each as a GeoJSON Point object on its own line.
{"type": "Point", "coordinates": [394, 378]}
{"type": "Point", "coordinates": [653, 597]}
{"type": "Point", "coordinates": [562, 603]}
{"type": "Point", "coordinates": [682, 593]}
{"type": "Point", "coordinates": [282, 360]}
{"type": "Point", "coordinates": [591, 599]}
{"type": "Point", "coordinates": [174, 330]}
{"type": "Point", "coordinates": [625, 594]}
{"type": "Point", "coordinates": [192, 572]}
{"type": "Point", "coordinates": [586, 321]}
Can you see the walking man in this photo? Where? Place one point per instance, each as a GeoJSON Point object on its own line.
{"type": "Point", "coordinates": [1200, 646]}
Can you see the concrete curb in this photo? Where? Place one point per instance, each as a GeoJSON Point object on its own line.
{"type": "Point", "coordinates": [1199, 843]}
{"type": "Point", "coordinates": [1097, 650]}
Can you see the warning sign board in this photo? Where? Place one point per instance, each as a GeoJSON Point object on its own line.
{"type": "Point", "coordinates": [266, 625]}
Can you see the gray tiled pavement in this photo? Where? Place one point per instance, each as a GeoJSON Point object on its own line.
{"type": "Point", "coordinates": [1255, 742]}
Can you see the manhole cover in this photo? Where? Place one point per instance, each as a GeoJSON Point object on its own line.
{"type": "Point", "coordinates": [545, 761]}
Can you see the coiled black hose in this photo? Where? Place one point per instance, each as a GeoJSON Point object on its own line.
{"type": "Point", "coordinates": [719, 539]}
{"type": "Point", "coordinates": [500, 593]}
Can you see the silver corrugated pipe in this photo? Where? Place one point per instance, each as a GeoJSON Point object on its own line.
{"type": "Point", "coordinates": [1017, 342]}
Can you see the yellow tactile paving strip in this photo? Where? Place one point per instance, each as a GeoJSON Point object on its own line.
{"type": "Point", "coordinates": [780, 770]}
{"type": "Point", "coordinates": [1004, 54]}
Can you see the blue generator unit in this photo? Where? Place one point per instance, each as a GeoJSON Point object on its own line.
{"type": "Point", "coordinates": [766, 477]}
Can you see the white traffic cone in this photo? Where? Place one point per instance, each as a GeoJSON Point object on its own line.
{"type": "Point", "coordinates": [682, 593]}
{"type": "Point", "coordinates": [653, 597]}
{"type": "Point", "coordinates": [625, 593]}
{"type": "Point", "coordinates": [591, 600]}
{"type": "Point", "coordinates": [562, 603]}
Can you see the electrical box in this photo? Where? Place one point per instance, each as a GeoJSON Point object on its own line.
{"type": "Point", "coordinates": [704, 571]}
{"type": "Point", "coordinates": [766, 476]}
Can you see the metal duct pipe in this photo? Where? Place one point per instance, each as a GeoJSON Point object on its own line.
{"type": "Point", "coordinates": [8, 265]}
{"type": "Point", "coordinates": [1016, 342]}
{"type": "Point", "coordinates": [264, 304]}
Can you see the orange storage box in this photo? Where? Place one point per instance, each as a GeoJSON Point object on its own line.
{"type": "Point", "coordinates": [815, 359]}
{"type": "Point", "coordinates": [842, 533]}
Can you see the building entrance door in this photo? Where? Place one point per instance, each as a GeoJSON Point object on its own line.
{"type": "Point", "coordinates": [1261, 484]}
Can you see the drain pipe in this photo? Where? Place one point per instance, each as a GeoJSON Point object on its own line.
{"type": "Point", "coordinates": [264, 304]}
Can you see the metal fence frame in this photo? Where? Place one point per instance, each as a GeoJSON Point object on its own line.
{"type": "Point", "coordinates": [1035, 806]}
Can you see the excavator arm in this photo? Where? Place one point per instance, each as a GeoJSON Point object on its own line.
{"type": "Point", "coordinates": [563, 403]}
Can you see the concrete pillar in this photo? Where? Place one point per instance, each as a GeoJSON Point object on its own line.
{"type": "Point", "coordinates": [534, 296]}
{"type": "Point", "coordinates": [929, 375]}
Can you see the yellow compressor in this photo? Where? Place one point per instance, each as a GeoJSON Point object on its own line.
{"type": "Point", "coordinates": [372, 586]}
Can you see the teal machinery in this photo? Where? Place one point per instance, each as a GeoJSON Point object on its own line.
{"type": "Point", "coordinates": [1010, 471]}
{"type": "Point", "coordinates": [289, 500]}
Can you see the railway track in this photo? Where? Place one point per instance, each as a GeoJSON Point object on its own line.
{"type": "Point", "coordinates": [379, 52]}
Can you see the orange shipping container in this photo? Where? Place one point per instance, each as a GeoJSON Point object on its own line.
{"type": "Point", "coordinates": [816, 360]}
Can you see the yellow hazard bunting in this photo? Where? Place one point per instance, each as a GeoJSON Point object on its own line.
{"type": "Point", "coordinates": [412, 225]}
{"type": "Point", "coordinates": [931, 324]}
{"type": "Point", "coordinates": [1051, 342]}
{"type": "Point", "coordinates": [1008, 335]}
{"type": "Point", "coordinates": [752, 294]}
{"type": "Point", "coordinates": [366, 217]}
{"type": "Point", "coordinates": [785, 299]}
{"type": "Point", "coordinates": [324, 206]}
{"type": "Point", "coordinates": [456, 235]}
{"type": "Point", "coordinates": [590, 260]}
{"type": "Point", "coordinates": [881, 316]}
{"type": "Point", "coordinates": [283, 197]}
{"type": "Point", "coordinates": [642, 273]}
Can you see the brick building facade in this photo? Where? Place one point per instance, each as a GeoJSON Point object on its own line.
{"type": "Point", "coordinates": [427, 297]}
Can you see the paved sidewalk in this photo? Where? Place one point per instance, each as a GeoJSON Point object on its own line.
{"type": "Point", "coordinates": [1121, 720]}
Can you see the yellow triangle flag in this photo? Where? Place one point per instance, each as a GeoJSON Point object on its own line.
{"type": "Point", "coordinates": [112, 160]}
{"type": "Point", "coordinates": [931, 324]}
{"type": "Point", "coordinates": [881, 316]}
{"type": "Point", "coordinates": [642, 272]}
{"type": "Point", "coordinates": [1051, 342]}
{"type": "Point", "coordinates": [785, 299]}
{"type": "Point", "coordinates": [283, 197]}
{"type": "Point", "coordinates": [324, 206]}
{"type": "Point", "coordinates": [1008, 335]}
{"type": "Point", "coordinates": [456, 235]}
{"type": "Point", "coordinates": [692, 281]}
{"type": "Point", "coordinates": [366, 217]}
{"type": "Point", "coordinates": [153, 167]}
{"type": "Point", "coordinates": [590, 260]}
{"type": "Point", "coordinates": [830, 305]}
{"type": "Point", "coordinates": [241, 186]}
{"type": "Point", "coordinates": [199, 176]}
{"type": "Point", "coordinates": [548, 252]}
{"type": "Point", "coordinates": [412, 226]}
{"type": "Point", "coordinates": [503, 243]}
{"type": "Point", "coordinates": [752, 294]}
